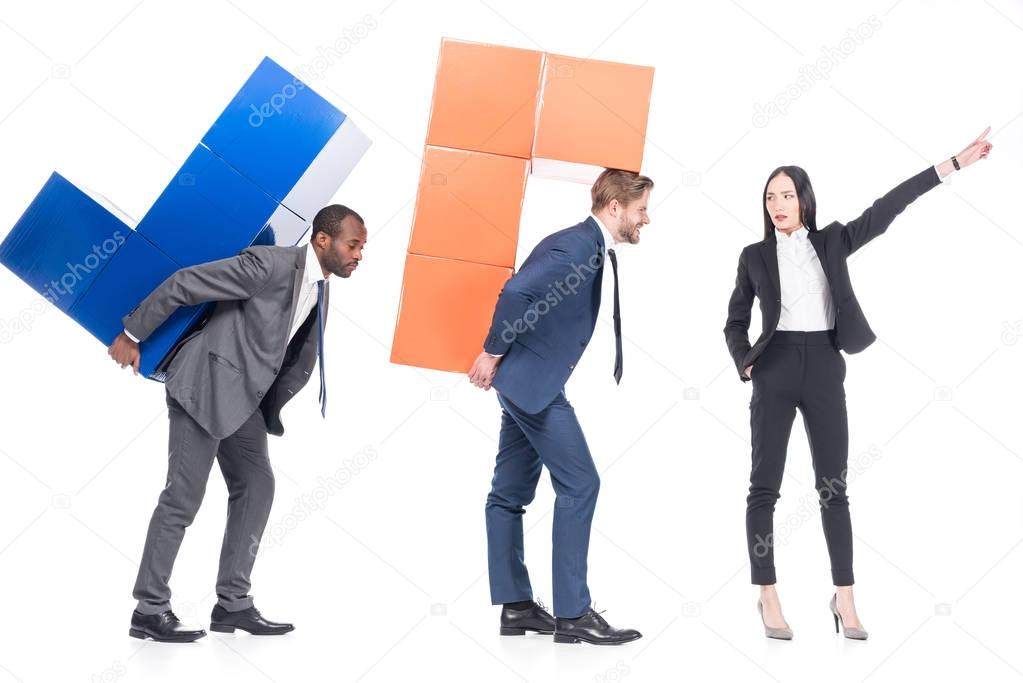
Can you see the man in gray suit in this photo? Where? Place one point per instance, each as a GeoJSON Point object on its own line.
{"type": "Point", "coordinates": [226, 386]}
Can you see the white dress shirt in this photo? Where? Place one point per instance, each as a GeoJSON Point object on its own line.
{"type": "Point", "coordinates": [306, 297]}
{"type": "Point", "coordinates": [806, 304]}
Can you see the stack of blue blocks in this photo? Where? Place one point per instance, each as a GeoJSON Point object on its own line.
{"type": "Point", "coordinates": [275, 155]}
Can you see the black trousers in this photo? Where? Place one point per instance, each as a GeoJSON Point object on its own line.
{"type": "Point", "coordinates": [803, 370]}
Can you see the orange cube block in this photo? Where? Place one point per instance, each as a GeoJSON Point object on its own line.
{"type": "Point", "coordinates": [445, 312]}
{"type": "Point", "coordinates": [593, 113]}
{"type": "Point", "coordinates": [485, 98]}
{"type": "Point", "coordinates": [469, 205]}
{"type": "Point", "coordinates": [499, 114]}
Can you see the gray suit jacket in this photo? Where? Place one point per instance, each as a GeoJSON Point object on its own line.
{"type": "Point", "coordinates": [241, 359]}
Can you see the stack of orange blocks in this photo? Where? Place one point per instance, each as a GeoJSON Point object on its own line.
{"type": "Point", "coordinates": [499, 113]}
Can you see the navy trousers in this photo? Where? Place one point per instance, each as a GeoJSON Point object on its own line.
{"type": "Point", "coordinates": [553, 438]}
{"type": "Point", "coordinates": [803, 370]}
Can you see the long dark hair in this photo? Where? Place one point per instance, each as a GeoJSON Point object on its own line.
{"type": "Point", "coordinates": [804, 192]}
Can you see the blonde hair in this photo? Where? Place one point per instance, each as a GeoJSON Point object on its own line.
{"type": "Point", "coordinates": [614, 183]}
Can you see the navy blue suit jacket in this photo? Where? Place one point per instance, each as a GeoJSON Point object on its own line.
{"type": "Point", "coordinates": [545, 316]}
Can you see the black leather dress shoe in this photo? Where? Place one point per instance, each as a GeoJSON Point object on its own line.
{"type": "Point", "coordinates": [249, 620]}
{"type": "Point", "coordinates": [163, 627]}
{"type": "Point", "coordinates": [591, 628]}
{"type": "Point", "coordinates": [515, 622]}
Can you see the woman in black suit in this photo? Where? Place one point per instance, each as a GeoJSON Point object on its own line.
{"type": "Point", "coordinates": [810, 313]}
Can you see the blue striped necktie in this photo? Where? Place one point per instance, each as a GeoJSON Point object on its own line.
{"type": "Point", "coordinates": [320, 315]}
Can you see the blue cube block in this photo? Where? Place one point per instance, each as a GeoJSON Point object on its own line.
{"type": "Point", "coordinates": [276, 155]}
{"type": "Point", "coordinates": [287, 139]}
{"type": "Point", "coordinates": [209, 211]}
{"type": "Point", "coordinates": [62, 242]}
{"type": "Point", "coordinates": [137, 269]}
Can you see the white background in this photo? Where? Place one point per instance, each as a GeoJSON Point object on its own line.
{"type": "Point", "coordinates": [388, 578]}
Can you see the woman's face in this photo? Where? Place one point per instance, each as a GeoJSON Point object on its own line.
{"type": "Point", "coordinates": [782, 203]}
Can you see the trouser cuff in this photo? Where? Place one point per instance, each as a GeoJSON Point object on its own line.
{"type": "Point", "coordinates": [842, 577]}
{"type": "Point", "coordinates": [148, 608]}
{"type": "Point", "coordinates": [235, 604]}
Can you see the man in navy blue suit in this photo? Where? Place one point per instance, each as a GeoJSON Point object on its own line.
{"type": "Point", "coordinates": [544, 318]}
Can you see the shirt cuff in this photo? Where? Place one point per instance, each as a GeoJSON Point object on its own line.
{"type": "Point", "coordinates": [130, 336]}
{"type": "Point", "coordinates": [494, 355]}
{"type": "Point", "coordinates": [942, 179]}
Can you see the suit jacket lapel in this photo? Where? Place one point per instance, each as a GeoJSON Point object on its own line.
{"type": "Point", "coordinates": [326, 302]}
{"type": "Point", "coordinates": [769, 252]}
{"type": "Point", "coordinates": [296, 284]}
{"type": "Point", "coordinates": [818, 242]}
{"type": "Point", "coordinates": [599, 236]}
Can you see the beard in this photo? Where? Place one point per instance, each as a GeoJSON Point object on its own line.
{"type": "Point", "coordinates": [629, 233]}
{"type": "Point", "coordinates": [337, 266]}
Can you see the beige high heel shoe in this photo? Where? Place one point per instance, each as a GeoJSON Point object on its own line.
{"type": "Point", "coordinates": [771, 632]}
{"type": "Point", "coordinates": [847, 631]}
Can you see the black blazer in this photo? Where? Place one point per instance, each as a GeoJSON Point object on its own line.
{"type": "Point", "coordinates": [758, 275]}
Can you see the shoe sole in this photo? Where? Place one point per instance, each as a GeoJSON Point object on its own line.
{"type": "Point", "coordinates": [142, 635]}
{"type": "Point", "coordinates": [779, 637]}
{"type": "Point", "coordinates": [230, 628]}
{"type": "Point", "coordinates": [511, 631]}
{"type": "Point", "coordinates": [561, 638]}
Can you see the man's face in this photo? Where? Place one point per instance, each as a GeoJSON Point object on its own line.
{"type": "Point", "coordinates": [342, 253]}
{"type": "Point", "coordinates": [630, 218]}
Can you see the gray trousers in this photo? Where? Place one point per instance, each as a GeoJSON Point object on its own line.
{"type": "Point", "coordinates": [245, 464]}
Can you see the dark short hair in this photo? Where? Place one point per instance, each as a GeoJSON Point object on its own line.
{"type": "Point", "coordinates": [328, 219]}
{"type": "Point", "coordinates": [804, 192]}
